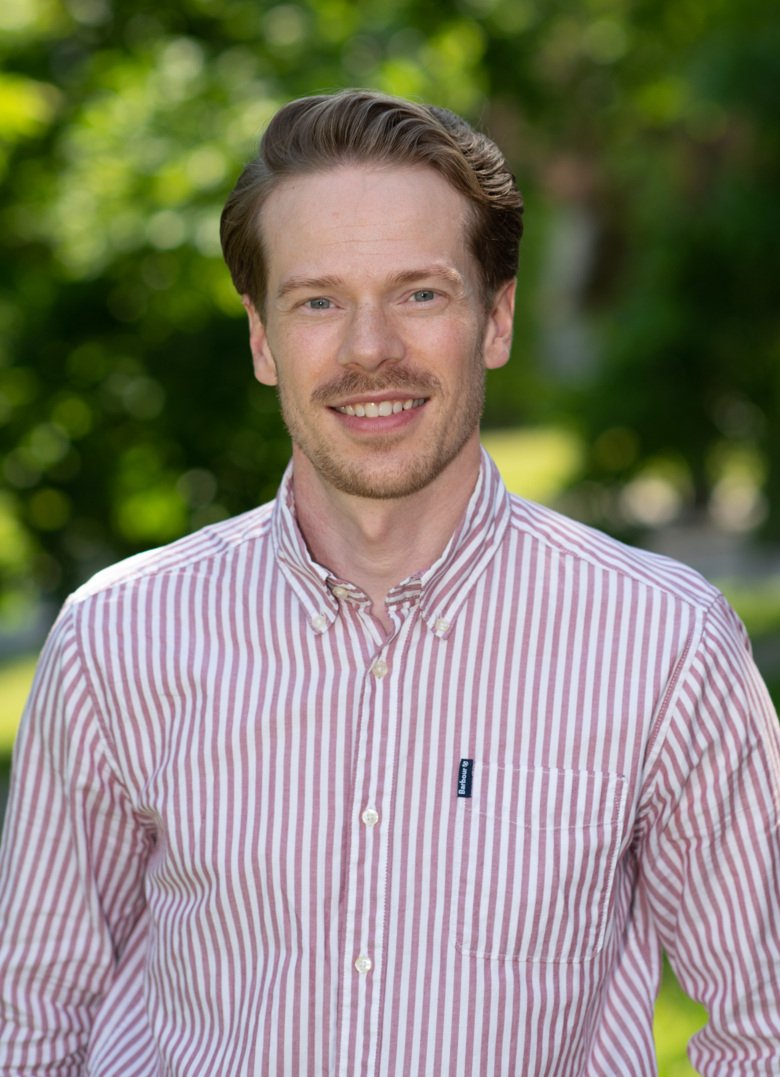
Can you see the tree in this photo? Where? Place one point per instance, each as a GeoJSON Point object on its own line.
{"type": "Point", "coordinates": [127, 409]}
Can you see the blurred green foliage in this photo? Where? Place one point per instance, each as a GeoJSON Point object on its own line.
{"type": "Point", "coordinates": [642, 133]}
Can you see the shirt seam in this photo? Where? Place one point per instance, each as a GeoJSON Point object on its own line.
{"type": "Point", "coordinates": [106, 740]}
{"type": "Point", "coordinates": [659, 727]}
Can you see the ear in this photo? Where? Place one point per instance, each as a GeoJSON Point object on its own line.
{"type": "Point", "coordinates": [498, 328]}
{"type": "Point", "coordinates": [262, 357]}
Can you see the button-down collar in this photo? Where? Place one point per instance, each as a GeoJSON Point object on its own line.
{"type": "Point", "coordinates": [441, 589]}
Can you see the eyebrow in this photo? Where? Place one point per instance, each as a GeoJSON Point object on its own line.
{"type": "Point", "coordinates": [406, 276]}
{"type": "Point", "coordinates": [308, 284]}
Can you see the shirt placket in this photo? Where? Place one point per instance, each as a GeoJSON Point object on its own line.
{"type": "Point", "coordinates": [364, 930]}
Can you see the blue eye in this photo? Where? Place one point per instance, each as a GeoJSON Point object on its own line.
{"type": "Point", "coordinates": [318, 304]}
{"type": "Point", "coordinates": [423, 295]}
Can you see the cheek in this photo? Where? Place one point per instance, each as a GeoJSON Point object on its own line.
{"type": "Point", "coordinates": [305, 350]}
{"type": "Point", "coordinates": [459, 357]}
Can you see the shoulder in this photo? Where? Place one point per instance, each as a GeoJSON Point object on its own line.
{"type": "Point", "coordinates": [197, 554]}
{"type": "Point", "coordinates": [607, 557]}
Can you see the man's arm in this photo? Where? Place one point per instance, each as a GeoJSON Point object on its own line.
{"type": "Point", "coordinates": [711, 856]}
{"type": "Point", "coordinates": [71, 870]}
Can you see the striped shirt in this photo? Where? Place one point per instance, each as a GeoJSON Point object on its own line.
{"type": "Point", "coordinates": [250, 832]}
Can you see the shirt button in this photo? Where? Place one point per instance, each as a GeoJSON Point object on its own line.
{"type": "Point", "coordinates": [340, 592]}
{"type": "Point", "coordinates": [370, 816]}
{"type": "Point", "coordinates": [379, 668]}
{"type": "Point", "coordinates": [363, 964]}
{"type": "Point", "coordinates": [441, 626]}
{"type": "Point", "coordinates": [319, 622]}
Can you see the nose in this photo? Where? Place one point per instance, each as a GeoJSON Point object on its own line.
{"type": "Point", "coordinates": [370, 338]}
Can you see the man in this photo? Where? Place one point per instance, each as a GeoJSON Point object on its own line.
{"type": "Point", "coordinates": [399, 774]}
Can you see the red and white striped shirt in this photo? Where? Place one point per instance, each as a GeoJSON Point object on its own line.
{"type": "Point", "coordinates": [249, 834]}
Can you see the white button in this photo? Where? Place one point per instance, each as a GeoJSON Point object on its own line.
{"type": "Point", "coordinates": [320, 622]}
{"type": "Point", "coordinates": [370, 816]}
{"type": "Point", "coordinates": [379, 668]}
{"type": "Point", "coordinates": [441, 626]}
{"type": "Point", "coordinates": [363, 963]}
{"type": "Point", "coordinates": [340, 592]}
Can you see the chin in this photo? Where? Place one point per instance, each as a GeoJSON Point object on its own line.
{"type": "Point", "coordinates": [384, 484]}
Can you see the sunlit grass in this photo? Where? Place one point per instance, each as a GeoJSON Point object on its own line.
{"type": "Point", "coordinates": [535, 463]}
{"type": "Point", "coordinates": [676, 1020]}
{"type": "Point", "coordinates": [15, 680]}
{"type": "Point", "coordinates": [757, 602]}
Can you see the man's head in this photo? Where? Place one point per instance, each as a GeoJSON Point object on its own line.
{"type": "Point", "coordinates": [374, 244]}
{"type": "Point", "coordinates": [316, 134]}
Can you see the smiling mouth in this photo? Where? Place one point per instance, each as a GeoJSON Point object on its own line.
{"type": "Point", "coordinates": [381, 409]}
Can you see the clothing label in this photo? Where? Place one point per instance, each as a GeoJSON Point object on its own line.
{"type": "Point", "coordinates": [465, 775]}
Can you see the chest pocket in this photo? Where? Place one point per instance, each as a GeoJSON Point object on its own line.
{"type": "Point", "coordinates": [539, 850]}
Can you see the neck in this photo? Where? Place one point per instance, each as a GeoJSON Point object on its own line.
{"type": "Point", "coordinates": [376, 543]}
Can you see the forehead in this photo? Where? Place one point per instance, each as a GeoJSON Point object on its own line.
{"type": "Point", "coordinates": [356, 215]}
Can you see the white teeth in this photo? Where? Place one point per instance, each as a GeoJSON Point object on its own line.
{"type": "Point", "coordinates": [372, 410]}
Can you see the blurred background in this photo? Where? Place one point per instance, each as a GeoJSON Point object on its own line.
{"type": "Point", "coordinates": [644, 392]}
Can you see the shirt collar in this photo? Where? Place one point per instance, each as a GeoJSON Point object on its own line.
{"type": "Point", "coordinates": [441, 589]}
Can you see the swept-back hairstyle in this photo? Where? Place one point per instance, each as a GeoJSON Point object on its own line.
{"type": "Point", "coordinates": [315, 134]}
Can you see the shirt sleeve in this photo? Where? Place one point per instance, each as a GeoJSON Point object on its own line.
{"type": "Point", "coordinates": [71, 870]}
{"type": "Point", "coordinates": [711, 858]}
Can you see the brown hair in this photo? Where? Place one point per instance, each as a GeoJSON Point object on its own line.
{"type": "Point", "coordinates": [314, 134]}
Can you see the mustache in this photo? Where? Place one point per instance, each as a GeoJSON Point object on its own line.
{"type": "Point", "coordinates": [353, 382]}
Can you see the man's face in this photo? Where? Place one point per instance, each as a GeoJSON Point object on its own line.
{"type": "Point", "coordinates": [375, 331]}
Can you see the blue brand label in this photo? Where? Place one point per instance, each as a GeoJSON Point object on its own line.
{"type": "Point", "coordinates": [465, 775]}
